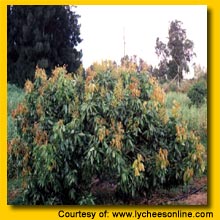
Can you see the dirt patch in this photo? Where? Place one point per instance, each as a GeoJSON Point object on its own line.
{"type": "Point", "coordinates": [194, 194]}
{"type": "Point", "coordinates": [196, 199]}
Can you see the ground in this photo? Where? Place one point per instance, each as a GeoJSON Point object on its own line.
{"type": "Point", "coordinates": [196, 199]}
{"type": "Point", "coordinates": [200, 197]}
{"type": "Point", "coordinates": [194, 194]}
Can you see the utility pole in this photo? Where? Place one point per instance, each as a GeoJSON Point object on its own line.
{"type": "Point", "coordinates": [124, 40]}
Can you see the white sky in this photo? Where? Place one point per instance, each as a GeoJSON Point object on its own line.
{"type": "Point", "coordinates": [102, 29]}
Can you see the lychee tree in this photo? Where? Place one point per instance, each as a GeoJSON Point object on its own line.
{"type": "Point", "coordinates": [112, 125]}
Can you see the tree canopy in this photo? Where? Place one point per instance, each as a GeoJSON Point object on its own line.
{"type": "Point", "coordinates": [43, 36]}
{"type": "Point", "coordinates": [176, 54]}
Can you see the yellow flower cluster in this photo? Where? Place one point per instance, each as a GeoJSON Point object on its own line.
{"type": "Point", "coordinates": [181, 133]}
{"type": "Point", "coordinates": [68, 76]}
{"type": "Point", "coordinates": [100, 121]}
{"type": "Point", "coordinates": [195, 139]}
{"type": "Point", "coordinates": [119, 90]}
{"type": "Point", "coordinates": [103, 91]}
{"type": "Point", "coordinates": [39, 109]}
{"type": "Point", "coordinates": [17, 148]}
{"type": "Point", "coordinates": [42, 88]}
{"type": "Point", "coordinates": [40, 137]}
{"type": "Point", "coordinates": [144, 105]}
{"type": "Point", "coordinates": [188, 174]}
{"type": "Point", "coordinates": [90, 86]}
{"type": "Point", "coordinates": [91, 74]}
{"type": "Point", "coordinates": [99, 67]}
{"type": "Point", "coordinates": [118, 135]}
{"type": "Point", "coordinates": [135, 92]}
{"type": "Point", "coordinates": [21, 109]}
{"type": "Point", "coordinates": [162, 159]}
{"type": "Point", "coordinates": [163, 115]}
{"type": "Point", "coordinates": [138, 165]}
{"type": "Point", "coordinates": [128, 66]}
{"type": "Point", "coordinates": [175, 109]}
{"type": "Point", "coordinates": [40, 73]}
{"type": "Point", "coordinates": [114, 102]}
{"type": "Point", "coordinates": [14, 146]}
{"type": "Point", "coordinates": [198, 156]}
{"type": "Point", "coordinates": [102, 133]}
{"type": "Point", "coordinates": [56, 72]}
{"type": "Point", "coordinates": [60, 123]}
{"type": "Point", "coordinates": [144, 67]}
{"type": "Point", "coordinates": [28, 86]}
{"type": "Point", "coordinates": [25, 161]}
{"type": "Point", "coordinates": [152, 81]}
{"type": "Point", "coordinates": [158, 94]}
{"type": "Point", "coordinates": [24, 126]}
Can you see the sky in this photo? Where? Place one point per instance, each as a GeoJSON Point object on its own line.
{"type": "Point", "coordinates": [104, 29]}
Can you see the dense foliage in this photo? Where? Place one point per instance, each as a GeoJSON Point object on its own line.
{"type": "Point", "coordinates": [195, 116]}
{"type": "Point", "coordinates": [109, 125]}
{"type": "Point", "coordinates": [42, 36]}
{"type": "Point", "coordinates": [198, 93]}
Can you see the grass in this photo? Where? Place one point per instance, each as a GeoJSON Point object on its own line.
{"type": "Point", "coordinates": [15, 96]}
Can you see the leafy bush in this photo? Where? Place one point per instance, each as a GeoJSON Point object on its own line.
{"type": "Point", "coordinates": [195, 117]}
{"type": "Point", "coordinates": [110, 125]}
{"type": "Point", "coordinates": [179, 98]}
{"type": "Point", "coordinates": [198, 93]}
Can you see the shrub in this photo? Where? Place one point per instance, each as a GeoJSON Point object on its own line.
{"type": "Point", "coordinates": [179, 98]}
{"type": "Point", "coordinates": [195, 117]}
{"type": "Point", "coordinates": [198, 93]}
{"type": "Point", "coordinates": [111, 125]}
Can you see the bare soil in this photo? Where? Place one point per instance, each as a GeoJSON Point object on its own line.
{"type": "Point", "coordinates": [195, 194]}
{"type": "Point", "coordinates": [197, 198]}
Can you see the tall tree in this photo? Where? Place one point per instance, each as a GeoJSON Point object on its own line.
{"type": "Point", "coordinates": [176, 54]}
{"type": "Point", "coordinates": [43, 36]}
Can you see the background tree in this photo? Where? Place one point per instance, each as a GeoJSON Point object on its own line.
{"type": "Point", "coordinates": [176, 54]}
{"type": "Point", "coordinates": [43, 36]}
